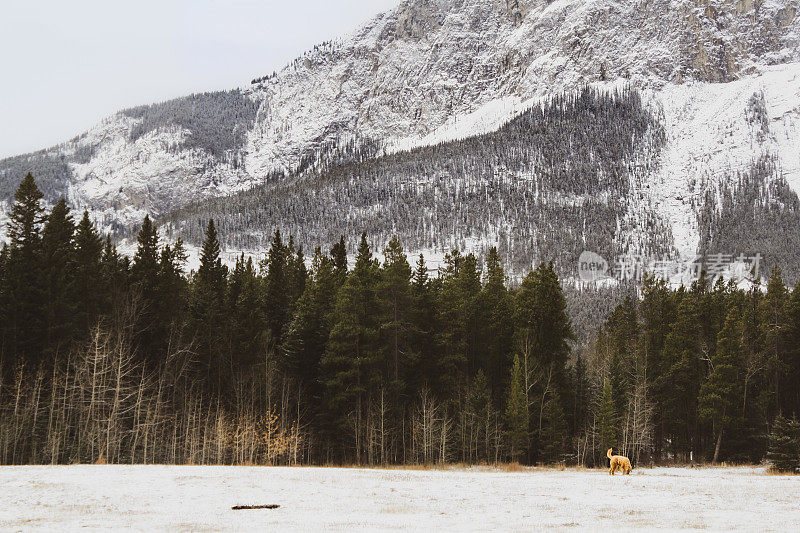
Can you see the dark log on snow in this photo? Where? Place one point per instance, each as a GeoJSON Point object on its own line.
{"type": "Point", "coordinates": [245, 507]}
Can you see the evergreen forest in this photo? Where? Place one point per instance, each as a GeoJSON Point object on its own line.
{"type": "Point", "coordinates": [325, 357]}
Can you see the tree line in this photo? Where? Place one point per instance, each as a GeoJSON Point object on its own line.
{"type": "Point", "coordinates": [338, 360]}
{"type": "Point", "coordinates": [698, 373]}
{"type": "Point", "coordinates": [132, 360]}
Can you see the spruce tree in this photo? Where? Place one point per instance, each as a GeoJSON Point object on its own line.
{"type": "Point", "coordinates": [678, 387]}
{"type": "Point", "coordinates": [145, 281]}
{"type": "Point", "coordinates": [469, 290]}
{"type": "Point", "coordinates": [784, 445]}
{"type": "Point", "coordinates": [755, 389]}
{"type": "Point", "coordinates": [4, 310]}
{"type": "Point", "coordinates": [517, 418]}
{"type": "Point", "coordinates": [339, 256]}
{"type": "Point", "coordinates": [394, 299]}
{"type": "Point", "coordinates": [58, 279]}
{"type": "Point", "coordinates": [172, 287]}
{"type": "Point", "coordinates": [90, 291]}
{"type": "Point", "coordinates": [581, 396]}
{"type": "Point", "coordinates": [351, 366]}
{"type": "Point", "coordinates": [246, 315]}
{"type": "Point", "coordinates": [656, 311]}
{"type": "Point", "coordinates": [276, 298]}
{"type": "Point", "coordinates": [792, 358]}
{"type": "Point", "coordinates": [553, 435]}
{"type": "Point", "coordinates": [115, 275]}
{"type": "Point", "coordinates": [774, 318]}
{"type": "Point", "coordinates": [541, 318]}
{"type": "Point", "coordinates": [296, 276]}
{"type": "Point", "coordinates": [543, 336]}
{"type": "Point", "coordinates": [144, 272]}
{"type": "Point", "coordinates": [308, 332]}
{"type": "Point", "coordinates": [26, 217]}
{"type": "Point", "coordinates": [496, 325]}
{"type": "Point", "coordinates": [721, 394]}
{"type": "Point", "coordinates": [623, 331]}
{"type": "Point", "coordinates": [458, 312]}
{"type": "Point", "coordinates": [394, 293]}
{"type": "Point", "coordinates": [23, 330]}
{"type": "Point", "coordinates": [425, 369]}
{"type": "Point", "coordinates": [209, 290]}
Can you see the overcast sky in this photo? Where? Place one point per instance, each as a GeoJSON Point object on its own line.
{"type": "Point", "coordinates": [65, 65]}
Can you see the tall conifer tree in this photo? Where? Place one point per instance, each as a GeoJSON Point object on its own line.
{"type": "Point", "coordinates": [91, 292]}
{"type": "Point", "coordinates": [58, 279]}
{"type": "Point", "coordinates": [209, 290]}
{"type": "Point", "coordinates": [24, 328]}
{"type": "Point", "coordinates": [496, 323]}
{"type": "Point", "coordinates": [351, 365]}
{"type": "Point", "coordinates": [721, 393]}
{"type": "Point", "coordinates": [517, 418]}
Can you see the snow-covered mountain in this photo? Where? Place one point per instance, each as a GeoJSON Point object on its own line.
{"type": "Point", "coordinates": [432, 71]}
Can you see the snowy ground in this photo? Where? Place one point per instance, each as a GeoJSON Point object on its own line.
{"type": "Point", "coordinates": [69, 498]}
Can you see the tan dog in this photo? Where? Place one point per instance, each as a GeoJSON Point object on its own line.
{"type": "Point", "coordinates": [619, 462]}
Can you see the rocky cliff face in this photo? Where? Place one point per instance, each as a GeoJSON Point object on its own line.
{"type": "Point", "coordinates": [436, 70]}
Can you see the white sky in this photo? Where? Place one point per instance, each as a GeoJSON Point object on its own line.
{"type": "Point", "coordinates": [64, 65]}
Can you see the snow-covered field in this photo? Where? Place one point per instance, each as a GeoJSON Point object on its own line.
{"type": "Point", "coordinates": [185, 498]}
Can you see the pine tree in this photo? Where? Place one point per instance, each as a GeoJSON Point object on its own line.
{"type": "Point", "coordinates": [296, 276]}
{"type": "Point", "coordinates": [553, 436]}
{"type": "Point", "coordinates": [721, 393]}
{"type": "Point", "coordinates": [784, 445]}
{"type": "Point", "coordinates": [276, 298]}
{"type": "Point", "coordinates": [115, 275]}
{"type": "Point", "coordinates": [773, 311]}
{"type": "Point", "coordinates": [246, 316]}
{"type": "Point", "coordinates": [458, 299]}
{"type": "Point", "coordinates": [517, 417]}
{"type": "Point", "coordinates": [678, 387]}
{"type": "Point", "coordinates": [496, 325]}
{"type": "Point", "coordinates": [792, 359]}
{"type": "Point", "coordinates": [339, 256]}
{"type": "Point", "coordinates": [58, 279]}
{"type": "Point", "coordinates": [92, 296]}
{"type": "Point", "coordinates": [656, 311]}
{"type": "Point", "coordinates": [351, 366]}
{"type": "Point", "coordinates": [145, 281]}
{"type": "Point", "coordinates": [23, 291]}
{"type": "Point", "coordinates": [307, 334]}
{"type": "Point", "coordinates": [395, 299]}
{"type": "Point", "coordinates": [209, 290]}
{"type": "Point", "coordinates": [426, 371]}
{"type": "Point", "coordinates": [543, 336]}
{"type": "Point", "coordinates": [172, 287]}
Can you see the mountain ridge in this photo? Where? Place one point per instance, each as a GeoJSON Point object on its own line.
{"type": "Point", "coordinates": [435, 70]}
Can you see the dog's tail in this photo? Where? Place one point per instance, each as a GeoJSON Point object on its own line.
{"type": "Point", "coordinates": [608, 454]}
